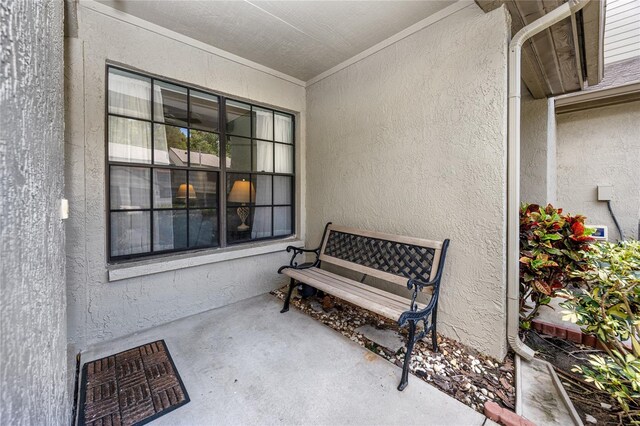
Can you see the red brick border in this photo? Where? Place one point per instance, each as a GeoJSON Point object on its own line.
{"type": "Point", "coordinates": [562, 332]}
{"type": "Point", "coordinates": [503, 416]}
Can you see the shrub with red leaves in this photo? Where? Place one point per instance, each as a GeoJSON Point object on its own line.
{"type": "Point", "coordinates": [550, 250]}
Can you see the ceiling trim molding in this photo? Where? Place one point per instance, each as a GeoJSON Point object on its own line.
{"type": "Point", "coordinates": [160, 30]}
{"type": "Point", "coordinates": [597, 98]}
{"type": "Point", "coordinates": [430, 20]}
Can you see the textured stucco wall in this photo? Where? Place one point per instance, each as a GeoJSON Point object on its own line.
{"type": "Point", "coordinates": [533, 150]}
{"type": "Point", "coordinates": [412, 141]}
{"type": "Point", "coordinates": [33, 366]}
{"type": "Point", "coordinates": [601, 146]}
{"type": "Point", "coordinates": [98, 309]}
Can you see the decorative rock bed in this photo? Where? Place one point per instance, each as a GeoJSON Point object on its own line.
{"type": "Point", "coordinates": [457, 370]}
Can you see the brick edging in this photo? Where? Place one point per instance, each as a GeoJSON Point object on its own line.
{"type": "Point", "coordinates": [562, 332]}
{"type": "Point", "coordinates": [504, 416]}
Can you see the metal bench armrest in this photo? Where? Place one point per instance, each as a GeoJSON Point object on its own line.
{"type": "Point", "coordinates": [293, 264]}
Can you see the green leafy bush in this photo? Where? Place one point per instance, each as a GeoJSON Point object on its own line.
{"type": "Point", "coordinates": [608, 307]}
{"type": "Point", "coordinates": [550, 246]}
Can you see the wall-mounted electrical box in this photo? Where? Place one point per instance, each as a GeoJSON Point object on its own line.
{"type": "Point", "coordinates": [601, 232]}
{"type": "Point", "coordinates": [605, 192]}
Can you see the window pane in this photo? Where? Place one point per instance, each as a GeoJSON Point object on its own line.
{"type": "Point", "coordinates": [168, 189]}
{"type": "Point", "coordinates": [170, 145]}
{"type": "Point", "coordinates": [170, 104]}
{"type": "Point", "coordinates": [204, 148]}
{"type": "Point", "coordinates": [284, 158]}
{"type": "Point", "coordinates": [130, 188]}
{"type": "Point", "coordinates": [239, 153]}
{"type": "Point", "coordinates": [283, 128]}
{"type": "Point", "coordinates": [239, 222]}
{"type": "Point", "coordinates": [203, 189]}
{"type": "Point", "coordinates": [129, 94]}
{"type": "Point", "coordinates": [129, 140]}
{"type": "Point", "coordinates": [262, 156]}
{"type": "Point", "coordinates": [240, 189]}
{"type": "Point", "coordinates": [130, 233]}
{"type": "Point", "coordinates": [169, 230]}
{"type": "Point", "coordinates": [282, 189]}
{"type": "Point", "coordinates": [238, 118]}
{"type": "Point", "coordinates": [204, 111]}
{"type": "Point", "coordinates": [282, 221]}
{"type": "Point", "coordinates": [262, 124]}
{"type": "Point", "coordinates": [261, 227]}
{"type": "Point", "coordinates": [203, 228]}
{"type": "Point", "coordinates": [262, 185]}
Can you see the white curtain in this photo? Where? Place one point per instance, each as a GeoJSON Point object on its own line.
{"type": "Point", "coordinates": [284, 153]}
{"type": "Point", "coordinates": [264, 162]}
{"type": "Point", "coordinates": [129, 140]}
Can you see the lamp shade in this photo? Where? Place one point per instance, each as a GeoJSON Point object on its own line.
{"type": "Point", "coordinates": [182, 192]}
{"type": "Point", "coordinates": [242, 192]}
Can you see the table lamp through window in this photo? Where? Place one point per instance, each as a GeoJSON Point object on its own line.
{"type": "Point", "coordinates": [242, 192]}
{"type": "Point", "coordinates": [182, 192]}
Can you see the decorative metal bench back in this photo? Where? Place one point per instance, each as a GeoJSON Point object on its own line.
{"type": "Point", "coordinates": [389, 257]}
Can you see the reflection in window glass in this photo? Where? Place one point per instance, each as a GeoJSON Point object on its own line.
{"type": "Point", "coordinates": [170, 104]}
{"type": "Point", "coordinates": [203, 228]}
{"type": "Point", "coordinates": [238, 118]}
{"type": "Point", "coordinates": [204, 148]}
{"type": "Point", "coordinates": [203, 189]}
{"type": "Point", "coordinates": [129, 188]}
{"type": "Point", "coordinates": [282, 221]}
{"type": "Point", "coordinates": [130, 233]}
{"type": "Point", "coordinates": [129, 94]}
{"type": "Point", "coordinates": [169, 230]}
{"type": "Point", "coordinates": [129, 140]}
{"type": "Point", "coordinates": [170, 145]}
{"type": "Point", "coordinates": [166, 188]}
{"type": "Point", "coordinates": [282, 190]}
{"type": "Point", "coordinates": [261, 223]}
{"type": "Point", "coordinates": [239, 153]}
{"type": "Point", "coordinates": [204, 111]}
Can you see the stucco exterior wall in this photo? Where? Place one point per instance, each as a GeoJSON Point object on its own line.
{"type": "Point", "coordinates": [412, 140]}
{"type": "Point", "coordinates": [534, 150]}
{"type": "Point", "coordinates": [601, 146]}
{"type": "Point", "coordinates": [99, 309]}
{"type": "Point", "coordinates": [32, 254]}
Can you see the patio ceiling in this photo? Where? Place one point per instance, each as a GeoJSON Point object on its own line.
{"type": "Point", "coordinates": [301, 39]}
{"type": "Point", "coordinates": [563, 58]}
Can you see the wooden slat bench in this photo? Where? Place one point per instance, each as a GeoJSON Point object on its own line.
{"type": "Point", "coordinates": [412, 262]}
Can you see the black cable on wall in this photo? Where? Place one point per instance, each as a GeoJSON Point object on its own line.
{"type": "Point", "coordinates": [615, 220]}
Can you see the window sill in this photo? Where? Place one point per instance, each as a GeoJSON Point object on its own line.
{"type": "Point", "coordinates": [181, 261]}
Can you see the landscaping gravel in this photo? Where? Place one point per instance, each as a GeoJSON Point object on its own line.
{"type": "Point", "coordinates": [457, 370]}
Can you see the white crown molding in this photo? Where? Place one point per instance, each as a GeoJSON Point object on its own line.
{"type": "Point", "coordinates": [430, 20]}
{"type": "Point", "coordinates": [160, 30]}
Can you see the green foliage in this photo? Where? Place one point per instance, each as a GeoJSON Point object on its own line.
{"type": "Point", "coordinates": [550, 246]}
{"type": "Point", "coordinates": [608, 307]}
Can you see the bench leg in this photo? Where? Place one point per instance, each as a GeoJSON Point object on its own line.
{"type": "Point", "coordinates": [407, 357]}
{"type": "Point", "coordinates": [292, 285]}
{"type": "Point", "coordinates": [434, 336]}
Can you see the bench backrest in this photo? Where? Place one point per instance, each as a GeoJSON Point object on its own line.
{"type": "Point", "coordinates": [386, 256]}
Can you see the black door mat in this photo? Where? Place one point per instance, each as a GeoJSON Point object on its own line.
{"type": "Point", "coordinates": [132, 387]}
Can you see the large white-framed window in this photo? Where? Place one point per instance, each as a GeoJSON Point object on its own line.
{"type": "Point", "coordinates": [189, 169]}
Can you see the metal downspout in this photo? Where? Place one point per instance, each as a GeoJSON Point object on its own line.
{"type": "Point", "coordinates": [513, 167]}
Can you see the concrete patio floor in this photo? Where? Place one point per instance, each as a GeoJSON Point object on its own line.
{"type": "Point", "coordinates": [248, 364]}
